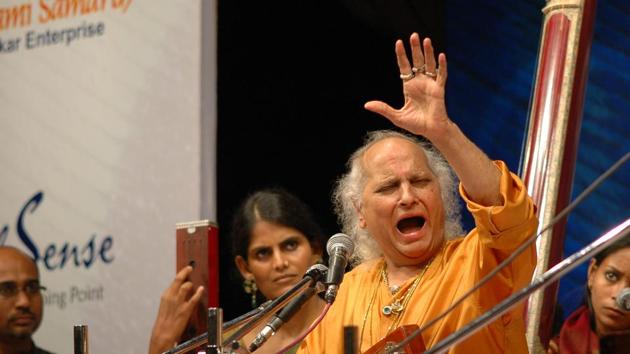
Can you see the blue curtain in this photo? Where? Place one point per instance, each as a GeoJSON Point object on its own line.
{"type": "Point", "coordinates": [492, 49]}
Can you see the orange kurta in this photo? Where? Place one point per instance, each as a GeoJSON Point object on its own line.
{"type": "Point", "coordinates": [454, 270]}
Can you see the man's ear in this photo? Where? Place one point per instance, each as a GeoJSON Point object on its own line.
{"type": "Point", "coordinates": [362, 223]}
{"type": "Point", "coordinates": [359, 208]}
{"type": "Point", "coordinates": [241, 264]}
{"type": "Point", "coordinates": [592, 267]}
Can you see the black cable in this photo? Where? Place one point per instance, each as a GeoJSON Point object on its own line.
{"type": "Point", "coordinates": [517, 252]}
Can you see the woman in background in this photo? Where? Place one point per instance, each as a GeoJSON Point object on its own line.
{"type": "Point", "coordinates": [600, 326]}
{"type": "Point", "coordinates": [275, 240]}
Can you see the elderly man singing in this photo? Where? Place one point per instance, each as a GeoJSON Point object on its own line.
{"type": "Point", "coordinates": [398, 201]}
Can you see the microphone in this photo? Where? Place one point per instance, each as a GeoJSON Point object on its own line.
{"type": "Point", "coordinates": [340, 248]}
{"type": "Point", "coordinates": [316, 272]}
{"type": "Point", "coordinates": [623, 300]}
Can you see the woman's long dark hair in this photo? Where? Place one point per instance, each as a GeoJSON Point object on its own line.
{"type": "Point", "coordinates": [278, 206]}
{"type": "Point", "coordinates": [619, 244]}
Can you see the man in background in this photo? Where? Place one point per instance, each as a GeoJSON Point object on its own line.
{"type": "Point", "coordinates": [21, 303]}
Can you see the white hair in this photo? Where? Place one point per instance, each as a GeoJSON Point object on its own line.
{"type": "Point", "coordinates": [347, 194]}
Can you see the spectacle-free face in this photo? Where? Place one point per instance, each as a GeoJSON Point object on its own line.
{"type": "Point", "coordinates": [401, 204]}
{"type": "Point", "coordinates": [277, 258]}
{"type": "Point", "coordinates": [20, 296]}
{"type": "Point", "coordinates": [605, 281]}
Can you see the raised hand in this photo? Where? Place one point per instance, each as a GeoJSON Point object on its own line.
{"type": "Point", "coordinates": [176, 306]}
{"type": "Point", "coordinates": [424, 111]}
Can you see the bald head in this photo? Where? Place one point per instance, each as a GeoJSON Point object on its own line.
{"type": "Point", "coordinates": [20, 299]}
{"type": "Point", "coordinates": [10, 251]}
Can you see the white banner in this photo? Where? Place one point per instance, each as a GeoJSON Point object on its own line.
{"type": "Point", "coordinates": [101, 128]}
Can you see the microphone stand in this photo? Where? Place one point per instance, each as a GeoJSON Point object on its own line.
{"type": "Point", "coordinates": [540, 282]}
{"type": "Point", "coordinates": [280, 318]}
{"type": "Point", "coordinates": [227, 326]}
{"type": "Point", "coordinates": [215, 330]}
{"type": "Point", "coordinates": [81, 339]}
{"type": "Point", "coordinates": [277, 303]}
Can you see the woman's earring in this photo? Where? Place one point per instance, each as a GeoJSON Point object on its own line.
{"type": "Point", "coordinates": [249, 285]}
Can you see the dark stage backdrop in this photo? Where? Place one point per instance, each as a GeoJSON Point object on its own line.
{"type": "Point", "coordinates": [293, 77]}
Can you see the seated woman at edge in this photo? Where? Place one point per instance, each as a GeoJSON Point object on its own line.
{"type": "Point", "coordinates": [275, 240]}
{"type": "Point", "coordinates": [398, 200]}
{"type": "Point", "coordinates": [599, 325]}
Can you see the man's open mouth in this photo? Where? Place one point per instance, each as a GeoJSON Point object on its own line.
{"type": "Point", "coordinates": [410, 225]}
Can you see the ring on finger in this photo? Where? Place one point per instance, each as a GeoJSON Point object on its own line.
{"type": "Point", "coordinates": [420, 70]}
{"type": "Point", "coordinates": [406, 77]}
{"type": "Point", "coordinates": [430, 74]}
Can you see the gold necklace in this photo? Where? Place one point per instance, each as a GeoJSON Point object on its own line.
{"type": "Point", "coordinates": [392, 289]}
{"type": "Point", "coordinates": [370, 304]}
{"type": "Point", "coordinates": [397, 306]}
{"type": "Point", "coordinates": [400, 303]}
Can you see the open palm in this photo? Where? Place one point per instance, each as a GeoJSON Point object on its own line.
{"type": "Point", "coordinates": [424, 111]}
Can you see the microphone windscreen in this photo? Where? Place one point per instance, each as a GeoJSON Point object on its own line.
{"type": "Point", "coordinates": [317, 271]}
{"type": "Point", "coordinates": [623, 299]}
{"type": "Point", "coordinates": [338, 240]}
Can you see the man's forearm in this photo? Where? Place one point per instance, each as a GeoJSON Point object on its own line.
{"type": "Point", "coordinates": [477, 173]}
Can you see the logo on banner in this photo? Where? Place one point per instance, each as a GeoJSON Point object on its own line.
{"type": "Point", "coordinates": [64, 255]}
{"type": "Point", "coordinates": [46, 11]}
